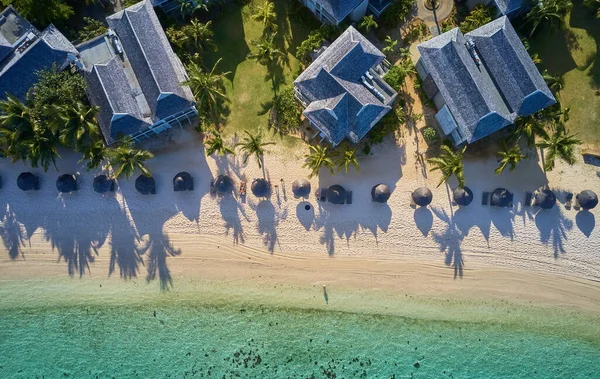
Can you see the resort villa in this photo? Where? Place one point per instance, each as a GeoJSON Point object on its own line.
{"type": "Point", "coordinates": [135, 78]}
{"type": "Point", "coordinates": [481, 81]}
{"type": "Point", "coordinates": [24, 51]}
{"type": "Point", "coordinates": [342, 91]}
{"type": "Point", "coordinates": [335, 11]}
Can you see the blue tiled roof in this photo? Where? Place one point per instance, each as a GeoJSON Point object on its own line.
{"type": "Point", "coordinates": [340, 105]}
{"type": "Point", "coordinates": [488, 95]}
{"type": "Point", "coordinates": [19, 73]}
{"type": "Point", "coordinates": [506, 7]}
{"type": "Point", "coordinates": [339, 9]}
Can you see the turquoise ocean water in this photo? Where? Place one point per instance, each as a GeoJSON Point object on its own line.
{"type": "Point", "coordinates": [231, 342]}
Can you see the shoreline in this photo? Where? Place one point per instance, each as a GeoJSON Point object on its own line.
{"type": "Point", "coordinates": [214, 273]}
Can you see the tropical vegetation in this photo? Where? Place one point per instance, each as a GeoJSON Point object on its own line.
{"type": "Point", "coordinates": [559, 145]}
{"type": "Point", "coordinates": [479, 16]}
{"type": "Point", "coordinates": [253, 145]}
{"type": "Point", "coordinates": [509, 157]}
{"type": "Point", "coordinates": [318, 157]}
{"type": "Point", "coordinates": [449, 162]}
{"type": "Point", "coordinates": [125, 159]}
{"type": "Point", "coordinates": [216, 145]}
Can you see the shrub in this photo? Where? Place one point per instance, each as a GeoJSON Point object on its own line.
{"type": "Point", "coordinates": [479, 16]}
{"type": "Point", "coordinates": [313, 42]}
{"type": "Point", "coordinates": [396, 13]}
{"type": "Point", "coordinates": [92, 29]}
{"type": "Point", "coordinates": [56, 87]}
{"type": "Point", "coordinates": [431, 135]}
{"type": "Point", "coordinates": [287, 113]}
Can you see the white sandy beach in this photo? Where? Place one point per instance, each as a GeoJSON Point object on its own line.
{"type": "Point", "coordinates": [174, 236]}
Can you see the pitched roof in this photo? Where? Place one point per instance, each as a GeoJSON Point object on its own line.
{"type": "Point", "coordinates": [488, 86]}
{"type": "Point", "coordinates": [340, 104]}
{"type": "Point", "coordinates": [140, 87]}
{"type": "Point", "coordinates": [507, 60]}
{"type": "Point", "coordinates": [508, 6]}
{"type": "Point", "coordinates": [18, 72]}
{"type": "Point", "coordinates": [339, 9]}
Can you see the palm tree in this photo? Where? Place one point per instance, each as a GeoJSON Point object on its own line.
{"type": "Point", "coordinates": [560, 145]}
{"type": "Point", "coordinates": [208, 89]}
{"type": "Point", "coordinates": [450, 162]}
{"type": "Point", "coordinates": [254, 145]}
{"type": "Point", "coordinates": [390, 45]}
{"type": "Point", "coordinates": [479, 16]}
{"type": "Point", "coordinates": [551, 12]}
{"type": "Point", "coordinates": [346, 157]}
{"type": "Point", "coordinates": [75, 124]}
{"type": "Point", "coordinates": [318, 157]}
{"type": "Point", "coordinates": [41, 149]}
{"type": "Point", "coordinates": [95, 153]}
{"type": "Point", "coordinates": [266, 52]}
{"type": "Point", "coordinates": [17, 125]}
{"type": "Point", "coordinates": [594, 5]}
{"type": "Point", "coordinates": [554, 82]}
{"type": "Point", "coordinates": [509, 157]}
{"type": "Point", "coordinates": [127, 159]}
{"type": "Point", "coordinates": [530, 128]}
{"type": "Point", "coordinates": [215, 144]}
{"type": "Point", "coordinates": [200, 34]}
{"type": "Point", "coordinates": [265, 14]}
{"type": "Point", "coordinates": [367, 23]}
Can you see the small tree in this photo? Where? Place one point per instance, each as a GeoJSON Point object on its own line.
{"type": "Point", "coordinates": [208, 89]}
{"type": "Point", "coordinates": [346, 157]}
{"type": "Point", "coordinates": [554, 82]}
{"type": "Point", "coordinates": [548, 12]}
{"type": "Point", "coordinates": [266, 52]}
{"type": "Point", "coordinates": [265, 14]}
{"type": "Point", "coordinates": [560, 144]}
{"type": "Point", "coordinates": [479, 16]}
{"type": "Point", "coordinates": [318, 157]}
{"type": "Point", "coordinates": [92, 29]}
{"type": "Point", "coordinates": [254, 145]}
{"type": "Point", "coordinates": [126, 159]}
{"type": "Point", "coordinates": [216, 144]}
{"type": "Point", "coordinates": [95, 154]}
{"type": "Point", "coordinates": [509, 157]}
{"type": "Point", "coordinates": [390, 45]}
{"type": "Point", "coordinates": [450, 162]}
{"type": "Point", "coordinates": [367, 23]}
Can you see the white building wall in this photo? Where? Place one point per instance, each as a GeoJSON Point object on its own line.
{"type": "Point", "coordinates": [359, 11]}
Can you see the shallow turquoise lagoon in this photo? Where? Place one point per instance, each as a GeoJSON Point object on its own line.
{"type": "Point", "coordinates": [227, 342]}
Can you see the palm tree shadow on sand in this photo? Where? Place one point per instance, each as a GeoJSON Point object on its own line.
{"type": "Point", "coordinates": [450, 242]}
{"type": "Point", "coordinates": [13, 234]}
{"type": "Point", "coordinates": [157, 248]}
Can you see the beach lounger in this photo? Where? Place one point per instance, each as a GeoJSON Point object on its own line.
{"type": "Point", "coordinates": [323, 194]}
{"type": "Point", "coordinates": [528, 197]}
{"type": "Point", "coordinates": [348, 197]}
{"type": "Point", "coordinates": [568, 200]}
{"type": "Point", "coordinates": [412, 202]}
{"type": "Point", "coordinates": [510, 204]}
{"type": "Point", "coordinates": [577, 206]}
{"type": "Point", "coordinates": [243, 189]}
{"type": "Point", "coordinates": [485, 198]}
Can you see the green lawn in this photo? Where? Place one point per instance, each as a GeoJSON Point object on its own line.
{"type": "Point", "coordinates": [250, 87]}
{"type": "Point", "coordinates": [574, 53]}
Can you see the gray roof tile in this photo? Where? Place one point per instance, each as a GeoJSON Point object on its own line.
{"type": "Point", "coordinates": [339, 9]}
{"type": "Point", "coordinates": [340, 105]}
{"type": "Point", "coordinates": [485, 97]}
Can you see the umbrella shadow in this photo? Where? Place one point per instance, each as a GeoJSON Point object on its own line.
{"type": "Point", "coordinates": [502, 218]}
{"type": "Point", "coordinates": [586, 222]}
{"type": "Point", "coordinates": [334, 227]}
{"type": "Point", "coordinates": [424, 220]}
{"type": "Point", "coordinates": [553, 227]}
{"type": "Point", "coordinates": [382, 216]}
{"type": "Point", "coordinates": [305, 216]}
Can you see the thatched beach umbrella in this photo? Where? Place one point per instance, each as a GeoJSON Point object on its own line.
{"type": "Point", "coordinates": [260, 187]}
{"type": "Point", "coordinates": [380, 193]}
{"type": "Point", "coordinates": [223, 184]}
{"type": "Point", "coordinates": [422, 196]}
{"type": "Point", "coordinates": [183, 181]}
{"type": "Point", "coordinates": [501, 198]}
{"type": "Point", "coordinates": [587, 199]}
{"type": "Point", "coordinates": [301, 188]}
{"type": "Point", "coordinates": [103, 183]}
{"type": "Point", "coordinates": [336, 194]}
{"type": "Point", "coordinates": [545, 199]}
{"type": "Point", "coordinates": [145, 185]}
{"type": "Point", "coordinates": [462, 196]}
{"type": "Point", "coordinates": [28, 182]}
{"type": "Point", "coordinates": [66, 183]}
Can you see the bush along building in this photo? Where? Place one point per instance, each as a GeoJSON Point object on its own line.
{"type": "Point", "coordinates": [335, 11]}
{"type": "Point", "coordinates": [135, 78]}
{"type": "Point", "coordinates": [24, 51]}
{"type": "Point", "coordinates": [342, 91]}
{"type": "Point", "coordinates": [480, 82]}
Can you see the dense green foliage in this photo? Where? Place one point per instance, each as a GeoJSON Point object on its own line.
{"type": "Point", "coordinates": [318, 157]}
{"type": "Point", "coordinates": [479, 16]}
{"type": "Point", "coordinates": [313, 42]}
{"type": "Point", "coordinates": [431, 135]}
{"type": "Point", "coordinates": [396, 76]}
{"type": "Point", "coordinates": [549, 13]}
{"type": "Point", "coordinates": [396, 13]}
{"type": "Point", "coordinates": [287, 112]}
{"type": "Point", "coordinates": [92, 29]}
{"type": "Point", "coordinates": [450, 162]}
{"type": "Point", "coordinates": [253, 145]}
{"type": "Point", "coordinates": [56, 88]}
{"type": "Point", "coordinates": [42, 12]}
